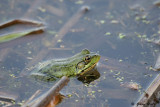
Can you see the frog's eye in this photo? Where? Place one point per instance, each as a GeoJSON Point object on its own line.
{"type": "Point", "coordinates": [80, 65]}
{"type": "Point", "coordinates": [87, 58]}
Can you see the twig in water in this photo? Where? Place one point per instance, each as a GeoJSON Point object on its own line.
{"type": "Point", "coordinates": [31, 98]}
{"type": "Point", "coordinates": [149, 93]}
{"type": "Point", "coordinates": [47, 97]}
{"type": "Point", "coordinates": [54, 10]}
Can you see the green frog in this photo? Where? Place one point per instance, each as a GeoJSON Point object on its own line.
{"type": "Point", "coordinates": [76, 65]}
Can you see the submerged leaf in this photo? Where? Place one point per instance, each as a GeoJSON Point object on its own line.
{"type": "Point", "coordinates": [12, 36]}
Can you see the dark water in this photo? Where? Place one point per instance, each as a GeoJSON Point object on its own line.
{"type": "Point", "coordinates": [117, 29]}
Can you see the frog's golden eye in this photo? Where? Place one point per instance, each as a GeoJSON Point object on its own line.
{"type": "Point", "coordinates": [80, 65]}
{"type": "Point", "coordinates": [87, 58]}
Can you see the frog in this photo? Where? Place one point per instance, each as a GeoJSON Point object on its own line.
{"type": "Point", "coordinates": [78, 64]}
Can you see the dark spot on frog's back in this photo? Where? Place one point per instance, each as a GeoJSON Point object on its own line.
{"type": "Point", "coordinates": [40, 70]}
{"type": "Point", "coordinates": [43, 71]}
{"type": "Point", "coordinates": [55, 70]}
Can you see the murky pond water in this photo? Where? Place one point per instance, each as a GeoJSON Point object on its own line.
{"type": "Point", "coordinates": [118, 30]}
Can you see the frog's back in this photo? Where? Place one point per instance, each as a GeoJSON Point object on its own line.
{"type": "Point", "coordinates": [56, 68]}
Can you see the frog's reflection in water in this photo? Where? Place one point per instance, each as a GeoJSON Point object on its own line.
{"type": "Point", "coordinates": [89, 76]}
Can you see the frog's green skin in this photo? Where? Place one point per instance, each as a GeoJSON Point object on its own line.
{"type": "Point", "coordinates": [77, 64]}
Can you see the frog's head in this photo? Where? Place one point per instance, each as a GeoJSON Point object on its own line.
{"type": "Point", "coordinates": [88, 61]}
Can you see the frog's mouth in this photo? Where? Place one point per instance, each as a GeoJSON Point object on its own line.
{"type": "Point", "coordinates": [88, 69]}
